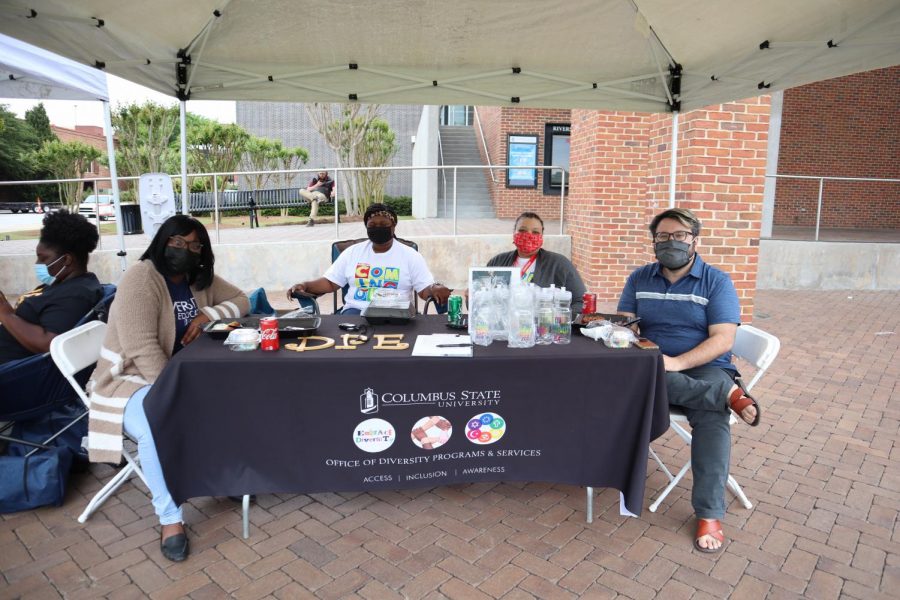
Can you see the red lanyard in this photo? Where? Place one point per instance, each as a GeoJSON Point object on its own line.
{"type": "Point", "coordinates": [525, 268]}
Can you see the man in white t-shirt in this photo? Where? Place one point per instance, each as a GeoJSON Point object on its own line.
{"type": "Point", "coordinates": [382, 262]}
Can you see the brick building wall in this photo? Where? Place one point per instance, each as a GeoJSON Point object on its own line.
{"type": "Point", "coordinates": [498, 123]}
{"type": "Point", "coordinates": [843, 127]}
{"type": "Point", "coordinates": [92, 136]}
{"type": "Point", "coordinates": [620, 178]}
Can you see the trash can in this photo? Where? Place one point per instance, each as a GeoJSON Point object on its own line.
{"type": "Point", "coordinates": [131, 219]}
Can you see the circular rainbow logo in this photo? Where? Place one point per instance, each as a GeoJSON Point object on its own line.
{"type": "Point", "coordinates": [485, 428]}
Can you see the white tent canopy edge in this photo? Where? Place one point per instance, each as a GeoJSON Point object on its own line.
{"type": "Point", "coordinates": [635, 55]}
{"type": "Point", "coordinates": [597, 54]}
{"type": "Point", "coordinates": [30, 72]}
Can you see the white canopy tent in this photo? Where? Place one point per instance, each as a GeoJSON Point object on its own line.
{"type": "Point", "coordinates": [636, 55]}
{"type": "Point", "coordinates": [33, 73]}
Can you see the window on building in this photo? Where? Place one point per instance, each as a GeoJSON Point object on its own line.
{"type": "Point", "coordinates": [556, 152]}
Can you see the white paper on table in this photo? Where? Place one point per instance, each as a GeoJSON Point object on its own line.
{"type": "Point", "coordinates": [427, 345]}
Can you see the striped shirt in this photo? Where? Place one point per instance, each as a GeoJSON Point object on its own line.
{"type": "Point", "coordinates": [677, 315]}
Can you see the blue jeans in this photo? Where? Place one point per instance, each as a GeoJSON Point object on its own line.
{"type": "Point", "coordinates": [137, 426]}
{"type": "Point", "coordinates": [702, 393]}
{"type": "Point", "coordinates": [350, 311]}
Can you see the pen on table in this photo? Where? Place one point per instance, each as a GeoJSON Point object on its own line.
{"type": "Point", "coordinates": [454, 345]}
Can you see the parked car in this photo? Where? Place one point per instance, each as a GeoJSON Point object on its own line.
{"type": "Point", "coordinates": [97, 205]}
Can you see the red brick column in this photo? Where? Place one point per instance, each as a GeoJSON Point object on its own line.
{"type": "Point", "coordinates": [620, 180]}
{"type": "Point", "coordinates": [606, 211]}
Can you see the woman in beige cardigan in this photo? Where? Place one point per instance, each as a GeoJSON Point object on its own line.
{"type": "Point", "coordinates": [161, 304]}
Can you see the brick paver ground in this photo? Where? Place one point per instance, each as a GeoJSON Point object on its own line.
{"type": "Point", "coordinates": [822, 471]}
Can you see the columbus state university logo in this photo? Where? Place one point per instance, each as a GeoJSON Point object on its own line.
{"type": "Point", "coordinates": [368, 402]}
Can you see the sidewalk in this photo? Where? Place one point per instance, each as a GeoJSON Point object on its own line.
{"type": "Point", "coordinates": [821, 470]}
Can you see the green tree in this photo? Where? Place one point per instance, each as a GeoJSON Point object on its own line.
{"type": "Point", "coordinates": [216, 148]}
{"type": "Point", "coordinates": [261, 154]}
{"type": "Point", "coordinates": [66, 160]}
{"type": "Point", "coordinates": [147, 138]}
{"type": "Point", "coordinates": [343, 127]}
{"type": "Point", "coordinates": [377, 149]}
{"type": "Point", "coordinates": [40, 123]}
{"type": "Point", "coordinates": [17, 140]}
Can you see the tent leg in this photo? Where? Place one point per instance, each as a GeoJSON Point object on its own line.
{"type": "Point", "coordinates": [114, 182]}
{"type": "Point", "coordinates": [185, 188]}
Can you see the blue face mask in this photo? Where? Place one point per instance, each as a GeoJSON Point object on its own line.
{"type": "Point", "coordinates": [42, 272]}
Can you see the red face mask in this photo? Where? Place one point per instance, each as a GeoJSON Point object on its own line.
{"type": "Point", "coordinates": [528, 242]}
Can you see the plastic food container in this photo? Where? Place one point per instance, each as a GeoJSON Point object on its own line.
{"type": "Point", "coordinates": [243, 340]}
{"type": "Point", "coordinates": [618, 338]}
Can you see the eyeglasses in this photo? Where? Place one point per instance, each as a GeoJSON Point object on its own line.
{"type": "Point", "coordinates": [678, 236]}
{"type": "Point", "coordinates": [176, 241]}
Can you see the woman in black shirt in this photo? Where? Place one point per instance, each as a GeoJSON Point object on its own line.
{"type": "Point", "coordinates": [67, 290]}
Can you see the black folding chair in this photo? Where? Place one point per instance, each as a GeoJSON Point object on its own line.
{"type": "Point", "coordinates": [32, 387]}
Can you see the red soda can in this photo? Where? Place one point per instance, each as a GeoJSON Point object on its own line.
{"type": "Point", "coordinates": [268, 329]}
{"type": "Point", "coordinates": [590, 303]}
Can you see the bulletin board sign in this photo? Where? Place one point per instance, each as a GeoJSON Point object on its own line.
{"type": "Point", "coordinates": [521, 150]}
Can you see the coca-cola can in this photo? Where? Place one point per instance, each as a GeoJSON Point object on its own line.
{"type": "Point", "coordinates": [590, 303]}
{"type": "Point", "coordinates": [268, 330]}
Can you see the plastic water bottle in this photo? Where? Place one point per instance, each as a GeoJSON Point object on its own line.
{"type": "Point", "coordinates": [521, 318]}
{"type": "Point", "coordinates": [480, 318]}
{"type": "Point", "coordinates": [500, 307]}
{"type": "Point", "coordinates": [562, 317]}
{"type": "Point", "coordinates": [544, 333]}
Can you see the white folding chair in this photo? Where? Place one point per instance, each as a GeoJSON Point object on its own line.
{"type": "Point", "coordinates": [72, 352]}
{"type": "Point", "coordinates": [757, 348]}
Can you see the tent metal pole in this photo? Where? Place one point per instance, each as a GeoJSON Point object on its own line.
{"type": "Point", "coordinates": [114, 181]}
{"type": "Point", "coordinates": [185, 188]}
{"type": "Point", "coordinates": [673, 159]}
{"type": "Point", "coordinates": [216, 206]}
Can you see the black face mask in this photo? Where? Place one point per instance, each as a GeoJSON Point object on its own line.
{"type": "Point", "coordinates": [379, 235]}
{"type": "Point", "coordinates": [181, 261]}
{"type": "Point", "coordinates": [672, 254]}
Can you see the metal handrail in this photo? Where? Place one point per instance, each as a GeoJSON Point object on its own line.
{"type": "Point", "coordinates": [336, 170]}
{"type": "Point", "coordinates": [487, 154]}
{"type": "Point", "coordinates": [443, 174]}
{"type": "Point", "coordinates": [822, 179]}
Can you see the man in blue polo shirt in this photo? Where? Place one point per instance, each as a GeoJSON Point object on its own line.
{"type": "Point", "coordinates": [691, 311]}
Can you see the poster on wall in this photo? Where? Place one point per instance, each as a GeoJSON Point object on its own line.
{"type": "Point", "coordinates": [522, 150]}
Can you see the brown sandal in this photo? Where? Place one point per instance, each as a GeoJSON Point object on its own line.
{"type": "Point", "coordinates": [741, 399]}
{"type": "Point", "coordinates": [713, 528]}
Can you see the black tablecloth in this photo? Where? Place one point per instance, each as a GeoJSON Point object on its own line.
{"type": "Point", "coordinates": [229, 423]}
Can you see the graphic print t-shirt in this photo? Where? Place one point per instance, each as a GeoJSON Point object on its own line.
{"type": "Point", "coordinates": [185, 307]}
{"type": "Point", "coordinates": [400, 268]}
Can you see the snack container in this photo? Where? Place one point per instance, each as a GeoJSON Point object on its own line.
{"type": "Point", "coordinates": [243, 340]}
{"type": "Point", "coordinates": [618, 338]}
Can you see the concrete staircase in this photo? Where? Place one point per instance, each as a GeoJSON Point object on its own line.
{"type": "Point", "coordinates": [473, 198]}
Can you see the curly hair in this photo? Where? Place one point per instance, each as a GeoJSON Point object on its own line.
{"type": "Point", "coordinates": [69, 233]}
